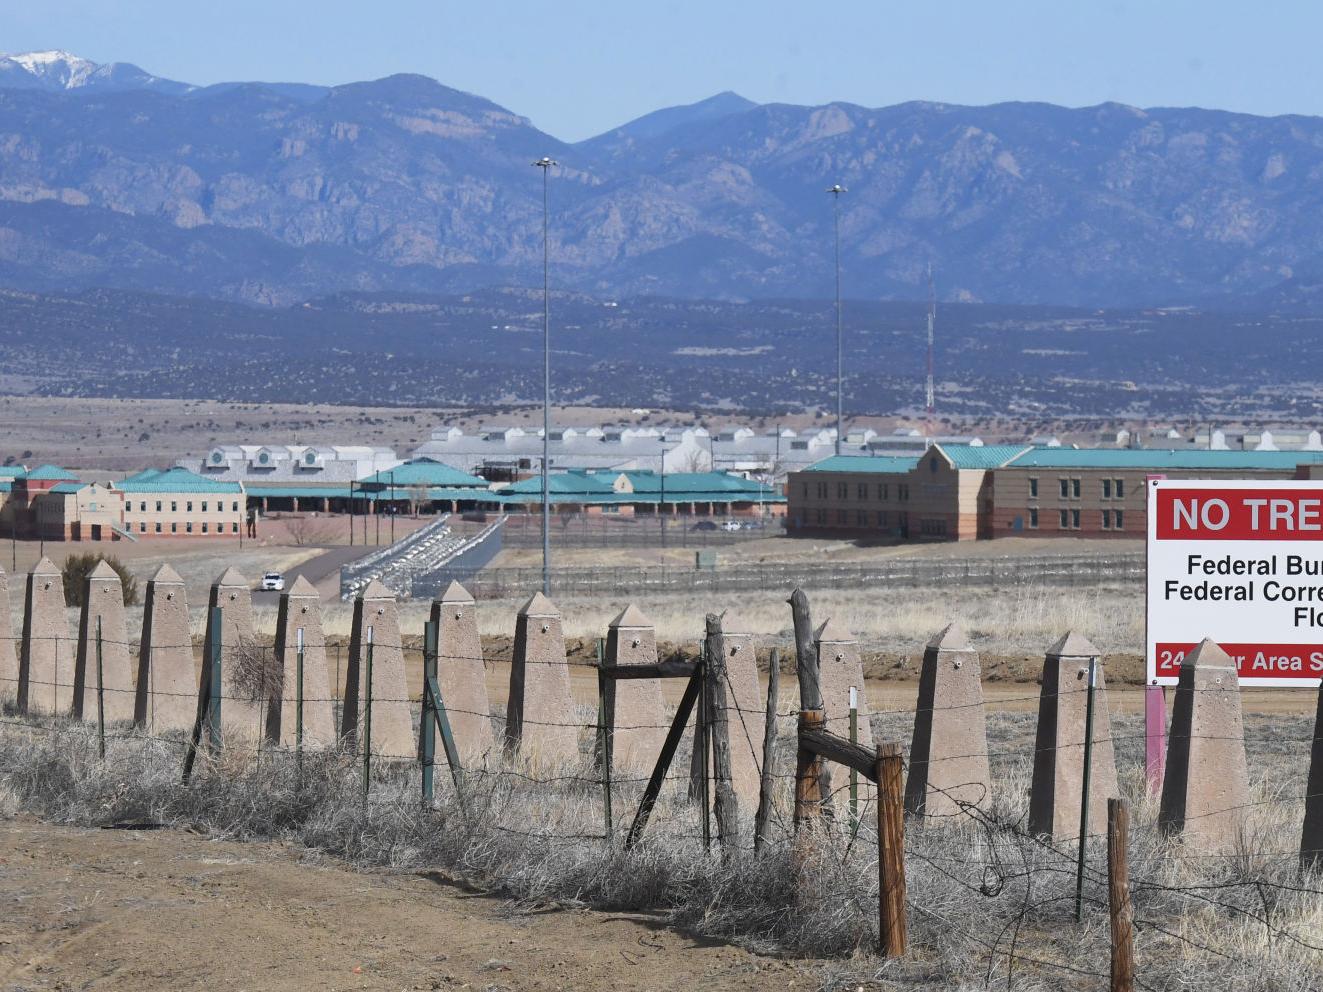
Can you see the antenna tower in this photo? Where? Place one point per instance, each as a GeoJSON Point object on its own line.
{"type": "Point", "coordinates": [932, 318]}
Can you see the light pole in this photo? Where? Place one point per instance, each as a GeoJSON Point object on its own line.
{"type": "Point", "coordinates": [836, 191]}
{"type": "Point", "coordinates": [545, 165]}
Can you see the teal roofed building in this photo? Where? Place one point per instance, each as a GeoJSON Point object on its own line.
{"type": "Point", "coordinates": [634, 492]}
{"type": "Point", "coordinates": [422, 472]}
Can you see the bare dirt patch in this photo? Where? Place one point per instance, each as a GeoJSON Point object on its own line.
{"type": "Point", "coordinates": [122, 909]}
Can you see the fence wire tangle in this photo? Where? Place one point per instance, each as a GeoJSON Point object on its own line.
{"type": "Point", "coordinates": [1249, 918]}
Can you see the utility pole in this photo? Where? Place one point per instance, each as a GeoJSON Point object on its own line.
{"type": "Point", "coordinates": [932, 319]}
{"type": "Point", "coordinates": [545, 165]}
{"type": "Point", "coordinates": [836, 191]}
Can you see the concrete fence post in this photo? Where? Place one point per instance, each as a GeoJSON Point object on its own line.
{"type": "Point", "coordinates": [46, 662]}
{"type": "Point", "coordinates": [103, 601]}
{"type": "Point", "coordinates": [167, 683]}
{"type": "Point", "coordinates": [541, 724]}
{"type": "Point", "coordinates": [300, 610]}
{"type": "Point", "coordinates": [461, 675]}
{"type": "Point", "coordinates": [8, 650]}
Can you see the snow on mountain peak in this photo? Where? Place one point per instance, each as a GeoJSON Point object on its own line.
{"type": "Point", "coordinates": [68, 71]}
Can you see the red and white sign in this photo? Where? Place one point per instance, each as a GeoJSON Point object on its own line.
{"type": "Point", "coordinates": [1242, 563]}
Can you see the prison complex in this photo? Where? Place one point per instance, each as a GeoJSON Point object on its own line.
{"type": "Point", "coordinates": [969, 492]}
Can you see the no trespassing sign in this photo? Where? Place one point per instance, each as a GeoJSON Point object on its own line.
{"type": "Point", "coordinates": [1242, 563]}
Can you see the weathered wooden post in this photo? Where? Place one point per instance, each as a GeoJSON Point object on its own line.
{"type": "Point", "coordinates": [727, 805]}
{"type": "Point", "coordinates": [891, 850]}
{"type": "Point", "coordinates": [1311, 835]}
{"type": "Point", "coordinates": [1119, 905]}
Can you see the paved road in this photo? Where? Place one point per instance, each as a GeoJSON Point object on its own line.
{"type": "Point", "coordinates": [319, 570]}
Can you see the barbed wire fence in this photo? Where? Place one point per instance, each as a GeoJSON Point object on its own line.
{"type": "Point", "coordinates": [981, 885]}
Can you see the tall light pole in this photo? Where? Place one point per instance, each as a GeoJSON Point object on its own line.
{"type": "Point", "coordinates": [545, 165]}
{"type": "Point", "coordinates": [836, 191]}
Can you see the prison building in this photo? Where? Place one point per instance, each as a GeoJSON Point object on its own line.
{"type": "Point", "coordinates": [292, 476]}
{"type": "Point", "coordinates": [644, 493]}
{"type": "Point", "coordinates": [1100, 492]}
{"type": "Point", "coordinates": [178, 503]}
{"type": "Point", "coordinates": [944, 494]}
{"type": "Point", "coordinates": [50, 503]}
{"type": "Point", "coordinates": [511, 453]}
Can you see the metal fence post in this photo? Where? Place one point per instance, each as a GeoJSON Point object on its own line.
{"type": "Point", "coordinates": [854, 775]}
{"type": "Point", "coordinates": [215, 738]}
{"type": "Point", "coordinates": [1084, 791]}
{"type": "Point", "coordinates": [100, 693]}
{"type": "Point", "coordinates": [298, 700]}
{"type": "Point", "coordinates": [367, 720]}
{"type": "Point", "coordinates": [427, 729]}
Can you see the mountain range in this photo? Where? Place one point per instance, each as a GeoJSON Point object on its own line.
{"type": "Point", "coordinates": [277, 193]}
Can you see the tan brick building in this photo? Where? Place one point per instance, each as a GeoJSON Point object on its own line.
{"type": "Point", "coordinates": [945, 494]}
{"type": "Point", "coordinates": [180, 503]}
{"type": "Point", "coordinates": [1100, 492]}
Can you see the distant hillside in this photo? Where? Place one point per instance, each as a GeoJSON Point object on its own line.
{"type": "Point", "coordinates": [484, 350]}
{"type": "Point", "coordinates": [271, 193]}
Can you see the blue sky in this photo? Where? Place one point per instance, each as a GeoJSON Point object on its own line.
{"type": "Point", "coordinates": [578, 67]}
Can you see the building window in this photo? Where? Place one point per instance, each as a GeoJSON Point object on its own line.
{"type": "Point", "coordinates": [1075, 488]}
{"type": "Point", "coordinates": [158, 526]}
{"type": "Point", "coordinates": [1118, 488]}
{"type": "Point", "coordinates": [1106, 492]}
{"type": "Point", "coordinates": [804, 491]}
{"type": "Point", "coordinates": [882, 492]}
{"type": "Point", "coordinates": [842, 490]}
{"type": "Point", "coordinates": [863, 491]}
{"type": "Point", "coordinates": [188, 527]}
{"type": "Point", "coordinates": [174, 507]}
{"type": "Point", "coordinates": [1118, 520]}
{"type": "Point", "coordinates": [933, 528]}
{"type": "Point", "coordinates": [1065, 519]}
{"type": "Point", "coordinates": [1074, 519]}
{"type": "Point", "coordinates": [204, 506]}
{"type": "Point", "coordinates": [142, 507]}
{"type": "Point", "coordinates": [822, 490]}
{"type": "Point", "coordinates": [204, 526]}
{"type": "Point", "coordinates": [189, 506]}
{"type": "Point", "coordinates": [235, 507]}
{"type": "Point", "coordinates": [903, 491]}
{"type": "Point", "coordinates": [234, 528]}
{"type": "Point", "coordinates": [142, 527]}
{"type": "Point", "coordinates": [1106, 517]}
{"type": "Point", "coordinates": [158, 506]}
{"type": "Point", "coordinates": [1033, 488]}
{"type": "Point", "coordinates": [174, 528]}
{"type": "Point", "coordinates": [1033, 518]}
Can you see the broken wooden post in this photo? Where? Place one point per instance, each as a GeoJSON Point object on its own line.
{"type": "Point", "coordinates": [8, 647]}
{"type": "Point", "coordinates": [167, 682]}
{"type": "Point", "coordinates": [1206, 788]}
{"type": "Point", "coordinates": [300, 610]}
{"type": "Point", "coordinates": [1056, 790]}
{"type": "Point", "coordinates": [46, 663]}
{"type": "Point", "coordinates": [392, 722]}
{"type": "Point", "coordinates": [103, 599]}
{"type": "Point", "coordinates": [541, 723]}
{"type": "Point", "coordinates": [808, 771]}
{"type": "Point", "coordinates": [949, 749]}
{"type": "Point", "coordinates": [635, 705]}
{"type": "Point", "coordinates": [461, 674]}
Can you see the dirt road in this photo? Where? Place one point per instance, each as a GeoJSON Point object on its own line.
{"type": "Point", "coordinates": [117, 909]}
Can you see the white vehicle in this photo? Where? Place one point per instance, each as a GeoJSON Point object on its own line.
{"type": "Point", "coordinates": [731, 525]}
{"type": "Point", "coordinates": [273, 582]}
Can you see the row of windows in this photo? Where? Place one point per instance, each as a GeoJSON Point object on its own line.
{"type": "Point", "coordinates": [188, 528]}
{"type": "Point", "coordinates": [1069, 488]}
{"type": "Point", "coordinates": [188, 506]}
{"type": "Point", "coordinates": [862, 491]}
{"type": "Point", "coordinates": [862, 518]}
{"type": "Point", "coordinates": [1070, 519]}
